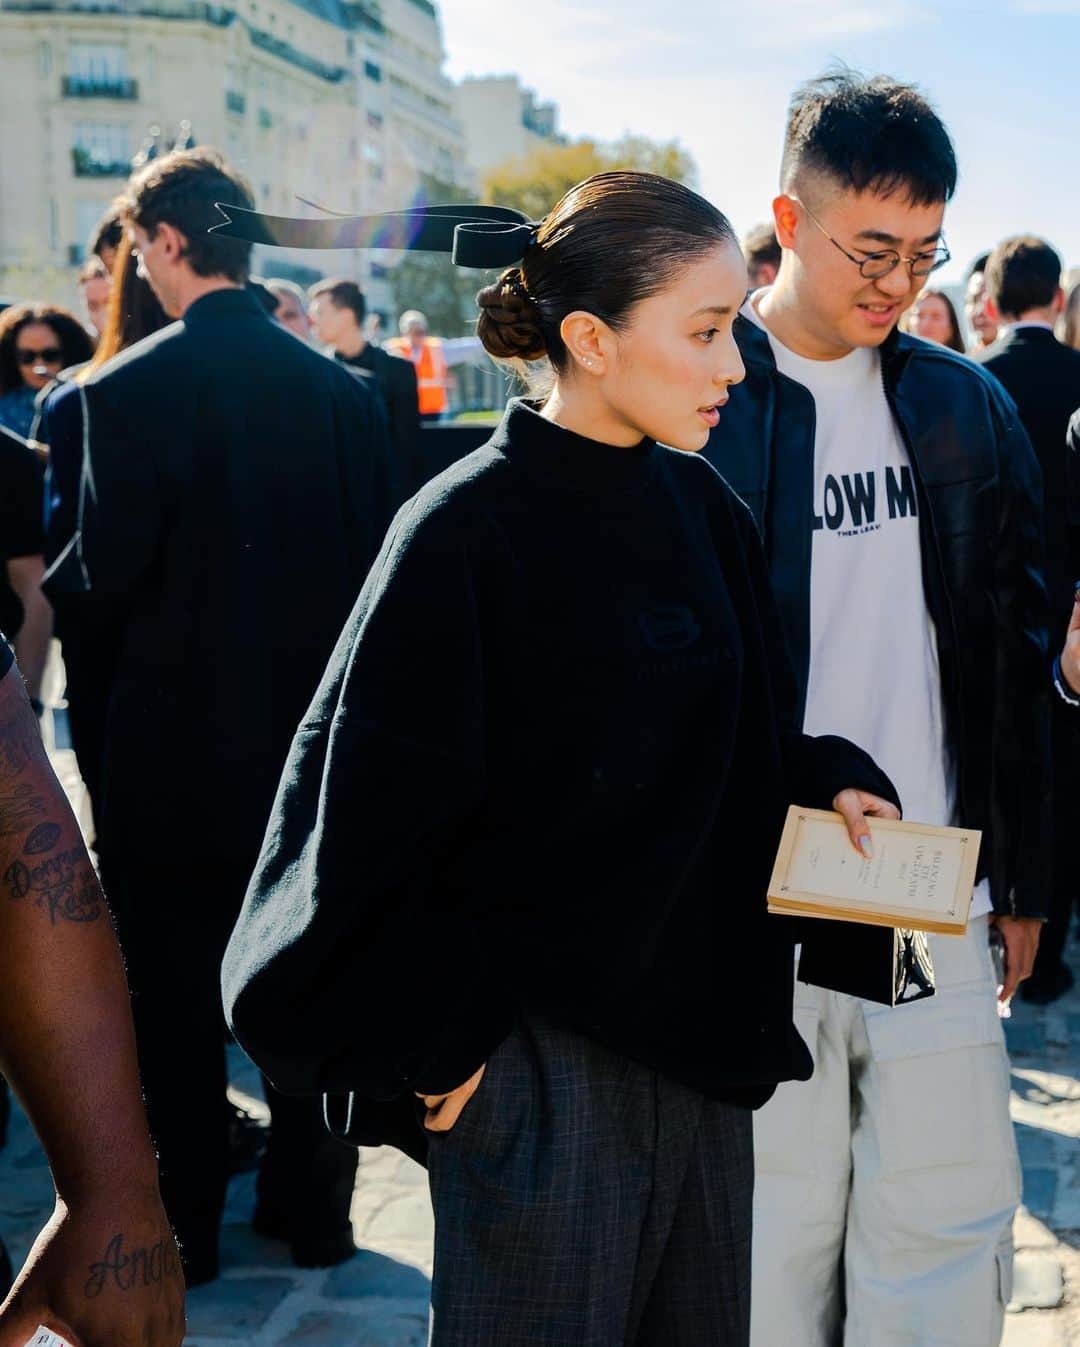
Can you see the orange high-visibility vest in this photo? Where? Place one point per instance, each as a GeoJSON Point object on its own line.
{"type": "Point", "coordinates": [431, 370]}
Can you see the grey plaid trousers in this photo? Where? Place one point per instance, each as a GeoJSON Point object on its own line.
{"type": "Point", "coordinates": [582, 1200]}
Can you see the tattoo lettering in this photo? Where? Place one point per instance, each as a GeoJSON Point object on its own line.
{"type": "Point", "coordinates": [137, 1270]}
{"type": "Point", "coordinates": [44, 837]}
{"type": "Point", "coordinates": [65, 886]}
{"type": "Point", "coordinates": [19, 808]}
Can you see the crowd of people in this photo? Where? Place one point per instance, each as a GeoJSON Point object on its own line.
{"type": "Point", "coordinates": [457, 800]}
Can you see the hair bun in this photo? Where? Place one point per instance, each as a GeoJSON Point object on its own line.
{"type": "Point", "coordinates": [509, 322]}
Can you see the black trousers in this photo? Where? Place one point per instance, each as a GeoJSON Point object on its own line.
{"type": "Point", "coordinates": [174, 921]}
{"type": "Point", "coordinates": [582, 1200]}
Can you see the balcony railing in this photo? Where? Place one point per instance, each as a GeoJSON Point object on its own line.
{"type": "Point", "coordinates": [87, 165]}
{"type": "Point", "coordinates": [82, 86]}
{"type": "Point", "coordinates": [285, 51]}
{"type": "Point", "coordinates": [156, 9]}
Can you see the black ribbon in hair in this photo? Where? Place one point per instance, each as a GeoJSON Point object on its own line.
{"type": "Point", "coordinates": [474, 236]}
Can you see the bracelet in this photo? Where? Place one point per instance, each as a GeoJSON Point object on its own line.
{"type": "Point", "coordinates": [1064, 691]}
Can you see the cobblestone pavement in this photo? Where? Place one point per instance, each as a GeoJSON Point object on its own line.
{"type": "Point", "coordinates": [379, 1298]}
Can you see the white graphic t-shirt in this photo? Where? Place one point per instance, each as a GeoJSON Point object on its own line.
{"type": "Point", "coordinates": [874, 674]}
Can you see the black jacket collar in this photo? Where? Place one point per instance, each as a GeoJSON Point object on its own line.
{"type": "Point", "coordinates": [220, 303]}
{"type": "Point", "coordinates": [1032, 335]}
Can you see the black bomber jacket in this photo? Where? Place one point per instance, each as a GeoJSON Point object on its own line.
{"type": "Point", "coordinates": [979, 493]}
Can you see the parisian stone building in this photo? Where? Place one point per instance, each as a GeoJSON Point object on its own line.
{"type": "Point", "coordinates": [342, 102]}
{"type": "Point", "coordinates": [504, 121]}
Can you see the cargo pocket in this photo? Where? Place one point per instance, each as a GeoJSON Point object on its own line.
{"type": "Point", "coordinates": [940, 1075]}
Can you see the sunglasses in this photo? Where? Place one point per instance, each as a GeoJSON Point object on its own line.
{"type": "Point", "coordinates": [51, 355]}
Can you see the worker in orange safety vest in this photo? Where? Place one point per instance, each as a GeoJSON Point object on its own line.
{"type": "Point", "coordinates": [427, 355]}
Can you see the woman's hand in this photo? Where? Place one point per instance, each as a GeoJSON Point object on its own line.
{"type": "Point", "coordinates": [1070, 656]}
{"type": "Point", "coordinates": [855, 805]}
{"type": "Point", "coordinates": [443, 1110]}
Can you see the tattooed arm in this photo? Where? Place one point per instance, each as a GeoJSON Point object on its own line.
{"type": "Point", "coordinates": [104, 1271]}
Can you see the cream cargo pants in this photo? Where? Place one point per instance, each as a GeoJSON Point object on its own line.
{"type": "Point", "coordinates": [886, 1185]}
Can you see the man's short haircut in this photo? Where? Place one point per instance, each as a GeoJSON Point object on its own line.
{"type": "Point", "coordinates": [108, 232]}
{"type": "Point", "coordinates": [979, 265]}
{"type": "Point", "coordinates": [761, 247]}
{"type": "Point", "coordinates": [180, 190]}
{"type": "Point", "coordinates": [342, 294]}
{"type": "Point", "coordinates": [93, 269]}
{"type": "Point", "coordinates": [873, 135]}
{"type": "Point", "coordinates": [280, 287]}
{"type": "Point", "coordinates": [1023, 273]}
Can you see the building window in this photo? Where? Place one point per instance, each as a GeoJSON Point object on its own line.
{"type": "Point", "coordinates": [98, 71]}
{"type": "Point", "coordinates": [101, 150]}
{"type": "Point", "coordinates": [375, 119]}
{"type": "Point", "coordinates": [373, 71]}
{"type": "Point", "coordinates": [265, 119]}
{"type": "Point", "coordinates": [97, 63]}
{"type": "Point", "coordinates": [235, 101]}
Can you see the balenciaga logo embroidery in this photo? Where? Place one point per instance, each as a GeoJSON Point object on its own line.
{"type": "Point", "coordinates": [669, 627]}
{"type": "Point", "coordinates": [851, 504]}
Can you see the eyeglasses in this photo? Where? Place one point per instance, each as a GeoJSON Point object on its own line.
{"type": "Point", "coordinates": [876, 265]}
{"type": "Point", "coordinates": [50, 355]}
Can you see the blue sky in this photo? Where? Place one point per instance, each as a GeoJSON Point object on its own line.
{"type": "Point", "coordinates": [716, 74]}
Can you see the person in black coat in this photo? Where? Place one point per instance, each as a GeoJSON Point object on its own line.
{"type": "Point", "coordinates": [1042, 375]}
{"type": "Point", "coordinates": [240, 485]}
{"type": "Point", "coordinates": [338, 310]}
{"type": "Point", "coordinates": [515, 881]}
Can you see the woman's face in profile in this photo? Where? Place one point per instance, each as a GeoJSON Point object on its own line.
{"type": "Point", "coordinates": [676, 359]}
{"type": "Point", "coordinates": [931, 319]}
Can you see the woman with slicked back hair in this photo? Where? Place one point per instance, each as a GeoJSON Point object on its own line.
{"type": "Point", "coordinates": [516, 875]}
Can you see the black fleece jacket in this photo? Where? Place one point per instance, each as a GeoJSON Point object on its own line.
{"type": "Point", "coordinates": [545, 773]}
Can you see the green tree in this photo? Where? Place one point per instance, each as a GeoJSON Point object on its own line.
{"type": "Point", "coordinates": [534, 184]}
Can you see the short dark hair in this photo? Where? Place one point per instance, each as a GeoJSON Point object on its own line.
{"type": "Point", "coordinates": [869, 135]}
{"type": "Point", "coordinates": [181, 189]}
{"type": "Point", "coordinates": [75, 343]}
{"type": "Point", "coordinates": [761, 247]}
{"type": "Point", "coordinates": [613, 241]}
{"type": "Point", "coordinates": [342, 294]}
{"type": "Point", "coordinates": [1023, 273]}
{"type": "Point", "coordinates": [979, 265]}
{"type": "Point", "coordinates": [107, 233]}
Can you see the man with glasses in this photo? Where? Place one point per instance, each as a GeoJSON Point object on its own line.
{"type": "Point", "coordinates": [901, 507]}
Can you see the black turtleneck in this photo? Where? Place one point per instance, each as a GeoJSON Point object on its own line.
{"type": "Point", "coordinates": [545, 773]}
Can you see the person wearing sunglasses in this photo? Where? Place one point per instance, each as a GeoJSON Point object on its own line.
{"type": "Point", "coordinates": [901, 506]}
{"type": "Point", "coordinates": [37, 341]}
